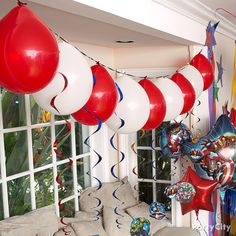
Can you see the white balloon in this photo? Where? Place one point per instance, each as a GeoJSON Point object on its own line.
{"type": "Point", "coordinates": [173, 97]}
{"type": "Point", "coordinates": [75, 68]}
{"type": "Point", "coordinates": [194, 77]}
{"type": "Point", "coordinates": [134, 108]}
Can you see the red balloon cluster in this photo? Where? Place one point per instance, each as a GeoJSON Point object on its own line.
{"type": "Point", "coordinates": [28, 52]}
{"type": "Point", "coordinates": [29, 59]}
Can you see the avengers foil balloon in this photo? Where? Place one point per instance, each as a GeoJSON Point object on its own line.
{"type": "Point", "coordinates": [173, 138]}
{"type": "Point", "coordinates": [157, 210]}
{"type": "Point", "coordinates": [140, 227]}
{"type": "Point", "coordinates": [214, 155]}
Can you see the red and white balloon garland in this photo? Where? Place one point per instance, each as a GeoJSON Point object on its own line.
{"type": "Point", "coordinates": [29, 58]}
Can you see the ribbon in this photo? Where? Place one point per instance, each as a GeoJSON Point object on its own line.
{"type": "Point", "coordinates": [86, 142]}
{"type": "Point", "coordinates": [114, 194]}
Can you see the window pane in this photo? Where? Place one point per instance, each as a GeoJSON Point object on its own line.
{"type": "Point", "coordinates": [68, 209]}
{"type": "Point", "coordinates": [16, 152]}
{"type": "Point", "coordinates": [159, 130]}
{"type": "Point", "coordinates": [83, 166]}
{"type": "Point", "coordinates": [38, 115]}
{"type": "Point", "coordinates": [44, 190]}
{"type": "Point", "coordinates": [42, 149]}
{"type": "Point", "coordinates": [145, 192]}
{"type": "Point", "coordinates": [19, 196]}
{"type": "Point", "coordinates": [1, 204]}
{"type": "Point", "coordinates": [161, 197]}
{"type": "Point", "coordinates": [13, 109]}
{"type": "Point", "coordinates": [145, 164]}
{"type": "Point", "coordinates": [146, 140]}
{"type": "Point", "coordinates": [64, 140]}
{"type": "Point", "coordinates": [66, 177]}
{"type": "Point", "coordinates": [163, 167]}
{"type": "Point", "coordinates": [81, 133]}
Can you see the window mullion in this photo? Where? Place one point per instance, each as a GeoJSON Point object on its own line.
{"type": "Point", "coordinates": [54, 162]}
{"type": "Point", "coordinates": [74, 166]}
{"type": "Point", "coordinates": [154, 189]}
{"type": "Point", "coordinates": [3, 166]}
{"type": "Point", "coordinates": [30, 151]}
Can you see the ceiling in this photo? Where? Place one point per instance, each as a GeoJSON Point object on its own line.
{"type": "Point", "coordinates": [76, 28]}
{"type": "Point", "coordinates": [81, 29]}
{"type": "Point", "coordinates": [229, 5]}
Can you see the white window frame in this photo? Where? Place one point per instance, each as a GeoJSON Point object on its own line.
{"type": "Point", "coordinates": [54, 165]}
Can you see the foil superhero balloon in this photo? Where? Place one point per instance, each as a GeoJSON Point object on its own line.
{"type": "Point", "coordinates": [214, 155]}
{"type": "Point", "coordinates": [157, 210]}
{"type": "Point", "coordinates": [173, 138]}
{"type": "Point", "coordinates": [140, 227]}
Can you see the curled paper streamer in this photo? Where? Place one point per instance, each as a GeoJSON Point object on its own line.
{"type": "Point", "coordinates": [86, 142]}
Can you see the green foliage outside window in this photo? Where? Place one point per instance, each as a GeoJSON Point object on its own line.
{"type": "Point", "coordinates": [17, 160]}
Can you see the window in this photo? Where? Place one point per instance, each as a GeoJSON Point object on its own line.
{"type": "Point", "coordinates": [29, 165]}
{"type": "Point", "coordinates": [154, 170]}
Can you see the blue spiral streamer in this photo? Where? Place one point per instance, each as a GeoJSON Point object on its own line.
{"type": "Point", "coordinates": [86, 142]}
{"type": "Point", "coordinates": [114, 194]}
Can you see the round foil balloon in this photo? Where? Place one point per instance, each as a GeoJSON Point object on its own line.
{"type": "Point", "coordinates": [102, 101]}
{"type": "Point", "coordinates": [71, 87]}
{"type": "Point", "coordinates": [28, 52]}
{"type": "Point", "coordinates": [185, 193]}
{"type": "Point", "coordinates": [157, 210]}
{"type": "Point", "coordinates": [140, 227]}
{"type": "Point", "coordinates": [203, 65]}
{"type": "Point", "coordinates": [194, 77]}
{"type": "Point", "coordinates": [172, 138]}
{"type": "Point", "coordinates": [157, 105]}
{"type": "Point", "coordinates": [173, 97]}
{"type": "Point", "coordinates": [187, 90]}
{"type": "Point", "coordinates": [133, 108]}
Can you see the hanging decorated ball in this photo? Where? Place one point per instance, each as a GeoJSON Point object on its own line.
{"type": "Point", "coordinates": [140, 227]}
{"type": "Point", "coordinates": [185, 193]}
{"type": "Point", "coordinates": [172, 139]}
{"type": "Point", "coordinates": [157, 210]}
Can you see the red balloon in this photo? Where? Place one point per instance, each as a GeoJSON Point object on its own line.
{"type": "Point", "coordinates": [204, 189]}
{"type": "Point", "coordinates": [29, 53]}
{"type": "Point", "coordinates": [157, 104]}
{"type": "Point", "coordinates": [103, 100]}
{"type": "Point", "coordinates": [204, 66]}
{"type": "Point", "coordinates": [187, 90]}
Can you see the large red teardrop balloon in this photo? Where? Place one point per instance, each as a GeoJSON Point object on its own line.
{"type": "Point", "coordinates": [203, 65]}
{"type": "Point", "coordinates": [157, 105]}
{"type": "Point", "coordinates": [29, 53]}
{"type": "Point", "coordinates": [187, 90]}
{"type": "Point", "coordinates": [103, 100]}
{"type": "Point", "coordinates": [204, 189]}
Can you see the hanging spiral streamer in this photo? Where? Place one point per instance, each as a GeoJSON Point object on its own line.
{"type": "Point", "coordinates": [86, 142]}
{"type": "Point", "coordinates": [61, 155]}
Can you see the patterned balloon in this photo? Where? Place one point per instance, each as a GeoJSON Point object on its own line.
{"type": "Point", "coordinates": [172, 139]}
{"type": "Point", "coordinates": [214, 155]}
{"type": "Point", "coordinates": [182, 191]}
{"type": "Point", "coordinates": [186, 192]}
{"type": "Point", "coordinates": [140, 227]}
{"type": "Point", "coordinates": [157, 210]}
